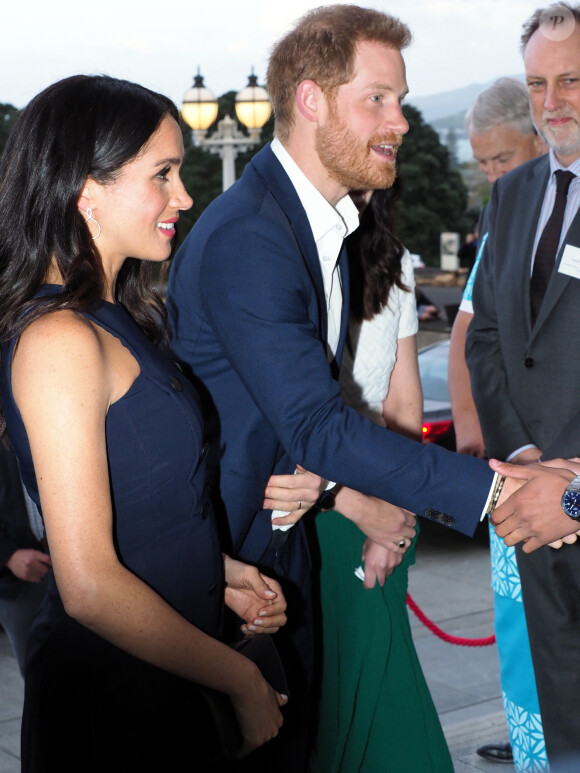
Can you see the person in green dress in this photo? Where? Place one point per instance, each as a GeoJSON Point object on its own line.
{"type": "Point", "coordinates": [376, 712]}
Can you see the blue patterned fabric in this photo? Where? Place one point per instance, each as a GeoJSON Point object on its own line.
{"type": "Point", "coordinates": [518, 682]}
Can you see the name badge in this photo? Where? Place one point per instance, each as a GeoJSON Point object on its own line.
{"type": "Point", "coordinates": [570, 263]}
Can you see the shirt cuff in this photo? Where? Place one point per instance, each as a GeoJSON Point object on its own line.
{"type": "Point", "coordinates": [489, 496]}
{"type": "Point", "coordinates": [282, 513]}
{"type": "Point", "coordinates": [519, 450]}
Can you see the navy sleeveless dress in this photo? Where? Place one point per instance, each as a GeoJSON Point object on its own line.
{"type": "Point", "coordinates": [90, 706]}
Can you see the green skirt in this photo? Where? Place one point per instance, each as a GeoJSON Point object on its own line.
{"type": "Point", "coordinates": [376, 712]}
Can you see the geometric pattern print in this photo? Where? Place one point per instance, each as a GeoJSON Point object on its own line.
{"type": "Point", "coordinates": [527, 739]}
{"type": "Point", "coordinates": [505, 577]}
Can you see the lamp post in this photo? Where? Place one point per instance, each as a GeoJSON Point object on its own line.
{"type": "Point", "coordinates": [199, 111]}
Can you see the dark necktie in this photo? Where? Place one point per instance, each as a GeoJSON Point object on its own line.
{"type": "Point", "coordinates": [548, 244]}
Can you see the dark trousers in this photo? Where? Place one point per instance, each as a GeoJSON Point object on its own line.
{"type": "Point", "coordinates": [551, 594]}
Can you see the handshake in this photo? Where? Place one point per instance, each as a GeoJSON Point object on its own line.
{"type": "Point", "coordinates": [530, 507]}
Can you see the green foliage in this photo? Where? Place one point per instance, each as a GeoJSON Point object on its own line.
{"type": "Point", "coordinates": [434, 197]}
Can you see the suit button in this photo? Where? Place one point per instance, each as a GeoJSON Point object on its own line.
{"type": "Point", "coordinates": [430, 512]}
{"type": "Point", "coordinates": [448, 520]}
{"type": "Point", "coordinates": [205, 510]}
{"type": "Point", "coordinates": [529, 362]}
{"type": "Point", "coordinates": [176, 384]}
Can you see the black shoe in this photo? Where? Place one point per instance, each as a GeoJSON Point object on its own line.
{"type": "Point", "coordinates": [496, 752]}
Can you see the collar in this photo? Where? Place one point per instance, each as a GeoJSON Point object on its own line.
{"type": "Point", "coordinates": [322, 216]}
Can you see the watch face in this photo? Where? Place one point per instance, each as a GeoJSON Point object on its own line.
{"type": "Point", "coordinates": [328, 498]}
{"type": "Point", "coordinates": [571, 504]}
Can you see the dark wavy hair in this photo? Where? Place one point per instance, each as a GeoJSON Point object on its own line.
{"type": "Point", "coordinates": [374, 257]}
{"type": "Point", "coordinates": [82, 126]}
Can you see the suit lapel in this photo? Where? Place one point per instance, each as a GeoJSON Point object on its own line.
{"type": "Point", "coordinates": [558, 282]}
{"type": "Point", "coordinates": [344, 278]}
{"type": "Point", "coordinates": [278, 183]}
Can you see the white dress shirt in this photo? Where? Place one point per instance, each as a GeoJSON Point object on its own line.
{"type": "Point", "coordinates": [330, 225]}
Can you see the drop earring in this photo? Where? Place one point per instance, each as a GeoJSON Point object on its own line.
{"type": "Point", "coordinates": [90, 217]}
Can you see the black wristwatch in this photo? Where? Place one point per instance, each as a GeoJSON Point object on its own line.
{"type": "Point", "coordinates": [327, 500]}
{"type": "Point", "coordinates": [571, 499]}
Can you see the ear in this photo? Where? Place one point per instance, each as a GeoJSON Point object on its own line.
{"type": "Point", "coordinates": [309, 98]}
{"type": "Point", "coordinates": [85, 199]}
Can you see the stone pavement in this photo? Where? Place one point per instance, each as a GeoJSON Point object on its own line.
{"type": "Point", "coordinates": [450, 582]}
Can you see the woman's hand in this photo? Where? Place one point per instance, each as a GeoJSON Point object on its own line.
{"type": "Point", "coordinates": [257, 709]}
{"type": "Point", "coordinates": [257, 599]}
{"type": "Point", "coordinates": [380, 521]}
{"type": "Point", "coordinates": [294, 494]}
{"type": "Point", "coordinates": [29, 565]}
{"type": "Point", "coordinates": [380, 563]}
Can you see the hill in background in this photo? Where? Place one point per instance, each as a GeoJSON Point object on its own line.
{"type": "Point", "coordinates": [446, 111]}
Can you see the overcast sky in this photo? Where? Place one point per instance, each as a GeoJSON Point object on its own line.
{"type": "Point", "coordinates": [456, 42]}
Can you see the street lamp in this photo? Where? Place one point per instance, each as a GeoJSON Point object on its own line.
{"type": "Point", "coordinates": [253, 107]}
{"type": "Point", "coordinates": [200, 110]}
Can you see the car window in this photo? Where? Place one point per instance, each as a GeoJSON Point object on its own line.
{"type": "Point", "coordinates": [433, 371]}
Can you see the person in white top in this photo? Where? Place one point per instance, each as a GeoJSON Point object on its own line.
{"type": "Point", "coordinates": [373, 689]}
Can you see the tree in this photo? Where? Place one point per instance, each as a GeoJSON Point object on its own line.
{"type": "Point", "coordinates": [433, 196]}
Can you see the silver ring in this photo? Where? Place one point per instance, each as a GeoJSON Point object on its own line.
{"type": "Point", "coordinates": [402, 543]}
{"type": "Point", "coordinates": [300, 504]}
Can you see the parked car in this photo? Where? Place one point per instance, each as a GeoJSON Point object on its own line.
{"type": "Point", "coordinates": [437, 417]}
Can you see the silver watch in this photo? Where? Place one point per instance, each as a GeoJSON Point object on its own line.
{"type": "Point", "coordinates": [571, 499]}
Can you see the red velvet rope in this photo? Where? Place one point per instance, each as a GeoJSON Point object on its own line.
{"type": "Point", "coordinates": [446, 636]}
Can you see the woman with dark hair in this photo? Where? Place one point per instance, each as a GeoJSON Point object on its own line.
{"type": "Point", "coordinates": [109, 437]}
{"type": "Point", "coordinates": [376, 713]}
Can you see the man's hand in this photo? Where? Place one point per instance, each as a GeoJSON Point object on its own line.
{"type": "Point", "coordinates": [380, 563]}
{"type": "Point", "coordinates": [29, 565]}
{"type": "Point", "coordinates": [529, 456]}
{"type": "Point", "coordinates": [294, 494]}
{"type": "Point", "coordinates": [530, 507]}
{"type": "Point", "coordinates": [257, 599]}
{"type": "Point", "coordinates": [573, 465]}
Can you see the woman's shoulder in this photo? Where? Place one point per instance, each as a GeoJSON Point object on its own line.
{"type": "Point", "coordinates": [61, 329]}
{"type": "Point", "coordinates": [57, 346]}
{"type": "Point", "coordinates": [407, 270]}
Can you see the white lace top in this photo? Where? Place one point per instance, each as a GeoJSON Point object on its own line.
{"type": "Point", "coordinates": [371, 351]}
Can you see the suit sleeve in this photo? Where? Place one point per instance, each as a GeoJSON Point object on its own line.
{"type": "Point", "coordinates": [503, 429]}
{"type": "Point", "coordinates": [566, 445]}
{"type": "Point", "coordinates": [257, 294]}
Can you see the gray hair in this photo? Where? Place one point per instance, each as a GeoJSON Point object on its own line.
{"type": "Point", "coordinates": [533, 23]}
{"type": "Point", "coordinates": [506, 101]}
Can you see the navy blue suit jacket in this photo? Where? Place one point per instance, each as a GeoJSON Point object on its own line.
{"type": "Point", "coordinates": [247, 313]}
